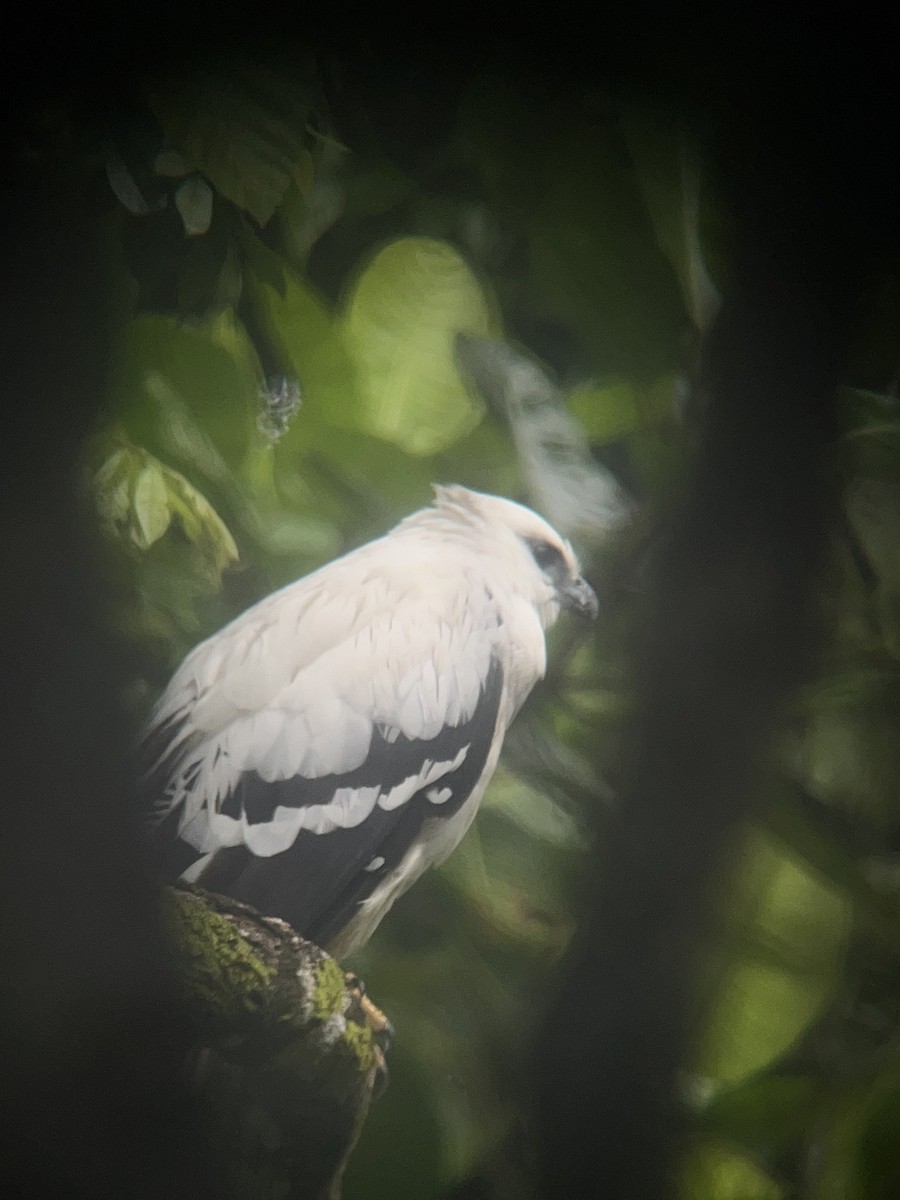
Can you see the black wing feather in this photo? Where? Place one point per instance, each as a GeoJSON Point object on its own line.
{"type": "Point", "coordinates": [318, 883]}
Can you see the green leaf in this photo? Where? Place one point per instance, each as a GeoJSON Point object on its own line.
{"type": "Point", "coordinates": [846, 751]}
{"type": "Point", "coordinates": [151, 507]}
{"type": "Point", "coordinates": [194, 201]}
{"type": "Point", "coordinates": [243, 130]}
{"type": "Point", "coordinates": [858, 1157]}
{"type": "Point", "coordinates": [301, 537]}
{"type": "Point", "coordinates": [532, 811]}
{"type": "Point", "coordinates": [624, 407]}
{"type": "Point", "coordinates": [314, 202]}
{"type": "Point", "coordinates": [486, 458]}
{"type": "Point", "coordinates": [201, 523]}
{"type": "Point", "coordinates": [306, 337]}
{"type": "Point", "coordinates": [785, 933]}
{"type": "Point", "coordinates": [138, 496]}
{"type": "Point", "coordinates": [715, 1171]}
{"type": "Point", "coordinates": [510, 873]}
{"type": "Point", "coordinates": [769, 1117]}
{"type": "Point", "coordinates": [112, 489]}
{"type": "Point", "coordinates": [189, 390]}
{"type": "Point", "coordinates": [400, 320]}
{"type": "Point", "coordinates": [826, 853]}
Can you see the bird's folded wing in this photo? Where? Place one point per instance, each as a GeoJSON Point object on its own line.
{"type": "Point", "coordinates": [334, 698]}
{"type": "Point", "coordinates": [346, 835]}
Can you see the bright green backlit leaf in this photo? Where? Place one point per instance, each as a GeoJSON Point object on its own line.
{"type": "Point", "coordinates": [151, 507]}
{"type": "Point", "coordinates": [713, 1171]}
{"type": "Point", "coordinates": [114, 503]}
{"type": "Point", "coordinates": [138, 496]}
{"type": "Point", "coordinates": [200, 522]}
{"type": "Point", "coordinates": [301, 537]}
{"type": "Point", "coordinates": [786, 932]}
{"type": "Point", "coordinates": [400, 320]}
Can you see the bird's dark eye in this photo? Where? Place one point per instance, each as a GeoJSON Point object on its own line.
{"type": "Point", "coordinates": [545, 554]}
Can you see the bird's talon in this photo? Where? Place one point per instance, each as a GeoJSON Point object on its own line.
{"type": "Point", "coordinates": [384, 1038]}
{"type": "Point", "coordinates": [375, 1018]}
{"type": "Point", "coordinates": [353, 983]}
{"type": "Point", "coordinates": [382, 1075]}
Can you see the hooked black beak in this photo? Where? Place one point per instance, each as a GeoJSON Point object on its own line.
{"type": "Point", "coordinates": [579, 597]}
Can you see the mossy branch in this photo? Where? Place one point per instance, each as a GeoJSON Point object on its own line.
{"type": "Point", "coordinates": [286, 1058]}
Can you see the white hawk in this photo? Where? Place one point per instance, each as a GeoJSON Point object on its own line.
{"type": "Point", "coordinates": [320, 752]}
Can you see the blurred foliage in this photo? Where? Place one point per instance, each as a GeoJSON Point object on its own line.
{"type": "Point", "coordinates": [283, 387]}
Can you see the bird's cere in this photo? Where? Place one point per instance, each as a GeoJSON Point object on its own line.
{"type": "Point", "coordinates": [319, 753]}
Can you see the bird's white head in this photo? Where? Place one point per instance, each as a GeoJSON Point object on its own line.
{"type": "Point", "coordinates": [539, 560]}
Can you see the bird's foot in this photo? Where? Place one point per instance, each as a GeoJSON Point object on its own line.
{"type": "Point", "coordinates": [373, 1018]}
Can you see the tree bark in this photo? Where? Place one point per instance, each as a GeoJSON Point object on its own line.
{"type": "Point", "coordinates": [287, 1057]}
